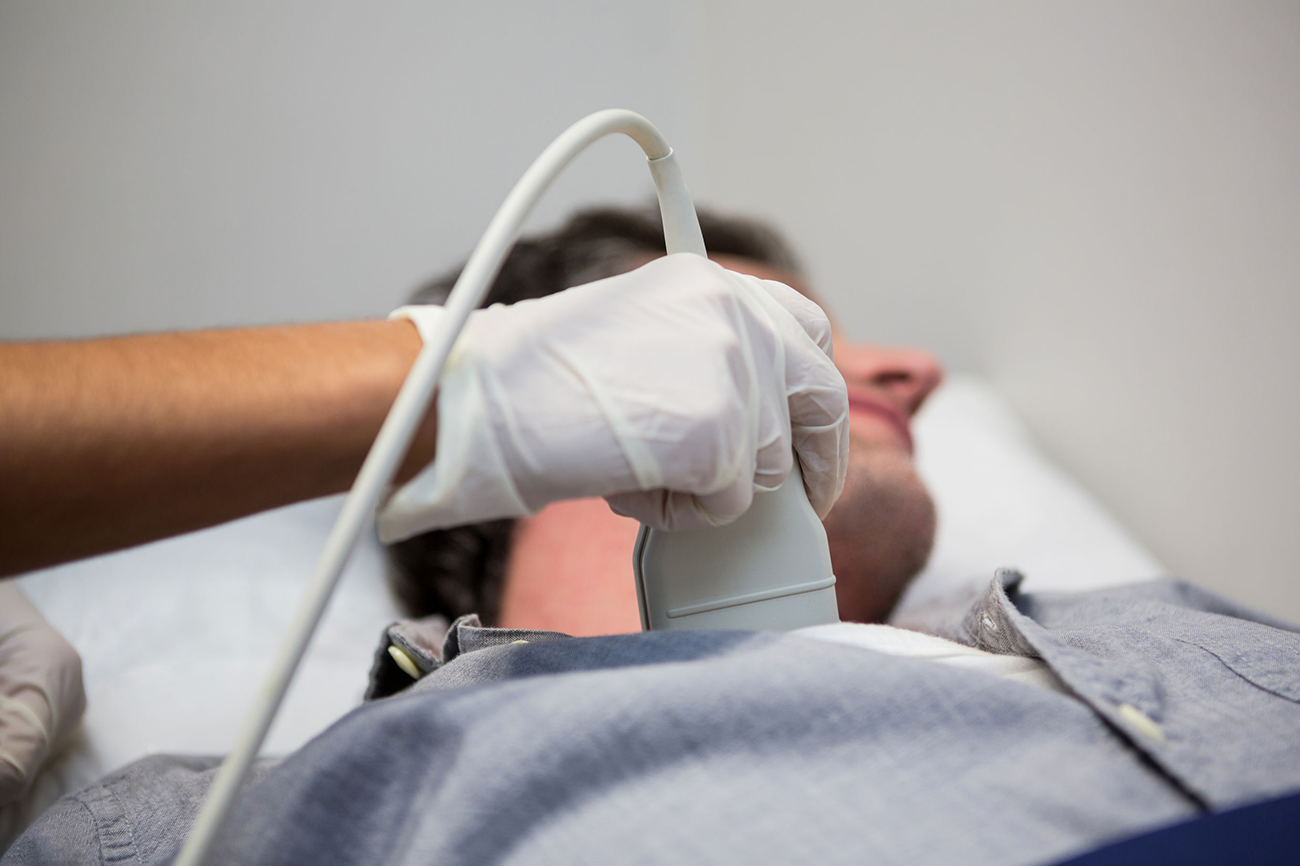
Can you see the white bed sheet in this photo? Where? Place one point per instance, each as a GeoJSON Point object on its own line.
{"type": "Point", "coordinates": [1002, 503]}
{"type": "Point", "coordinates": [176, 636]}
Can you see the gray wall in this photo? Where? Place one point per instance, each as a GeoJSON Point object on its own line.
{"type": "Point", "coordinates": [172, 165]}
{"type": "Point", "coordinates": [1097, 204]}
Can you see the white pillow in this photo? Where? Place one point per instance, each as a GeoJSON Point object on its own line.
{"type": "Point", "coordinates": [1001, 503]}
{"type": "Point", "coordinates": [175, 638]}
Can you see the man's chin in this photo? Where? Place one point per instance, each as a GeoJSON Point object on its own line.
{"type": "Point", "coordinates": [880, 531]}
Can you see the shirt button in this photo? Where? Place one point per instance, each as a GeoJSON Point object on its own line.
{"type": "Point", "coordinates": [404, 661]}
{"type": "Point", "coordinates": [1141, 722]}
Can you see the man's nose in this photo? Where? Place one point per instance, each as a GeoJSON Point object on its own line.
{"type": "Point", "coordinates": [905, 375]}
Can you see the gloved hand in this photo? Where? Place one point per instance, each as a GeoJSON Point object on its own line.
{"type": "Point", "coordinates": [41, 695]}
{"type": "Point", "coordinates": [672, 390]}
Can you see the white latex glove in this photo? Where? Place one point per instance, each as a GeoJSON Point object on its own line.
{"type": "Point", "coordinates": [672, 391]}
{"type": "Point", "coordinates": [41, 695]}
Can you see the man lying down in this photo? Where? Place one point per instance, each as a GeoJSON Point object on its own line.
{"type": "Point", "coordinates": [1023, 728]}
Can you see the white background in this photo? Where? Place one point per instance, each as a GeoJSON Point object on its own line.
{"type": "Point", "coordinates": [1095, 204]}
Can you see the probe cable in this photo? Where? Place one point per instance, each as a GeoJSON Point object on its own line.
{"type": "Point", "coordinates": [681, 234]}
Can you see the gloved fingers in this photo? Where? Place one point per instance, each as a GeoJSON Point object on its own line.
{"type": "Point", "coordinates": [654, 508]}
{"type": "Point", "coordinates": [36, 658]}
{"type": "Point", "coordinates": [41, 693]}
{"type": "Point", "coordinates": [24, 743]}
{"type": "Point", "coordinates": [774, 461]}
{"type": "Point", "coordinates": [815, 389]}
{"type": "Point", "coordinates": [811, 318]}
{"type": "Point", "coordinates": [809, 398]}
{"type": "Point", "coordinates": [817, 399]}
{"type": "Point", "coordinates": [674, 510]}
{"type": "Point", "coordinates": [819, 421]}
{"type": "Point", "coordinates": [824, 458]}
{"type": "Point", "coordinates": [647, 506]}
{"type": "Point", "coordinates": [723, 507]}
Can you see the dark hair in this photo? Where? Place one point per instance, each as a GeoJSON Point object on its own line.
{"type": "Point", "coordinates": [461, 570]}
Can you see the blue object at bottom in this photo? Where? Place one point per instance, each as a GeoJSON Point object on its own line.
{"type": "Point", "coordinates": [1262, 834]}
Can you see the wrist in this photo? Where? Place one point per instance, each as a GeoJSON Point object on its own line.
{"type": "Point", "coordinates": [407, 337]}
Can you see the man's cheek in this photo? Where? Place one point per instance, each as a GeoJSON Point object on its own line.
{"type": "Point", "coordinates": [870, 430]}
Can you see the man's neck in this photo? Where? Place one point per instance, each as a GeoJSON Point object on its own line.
{"type": "Point", "coordinates": [570, 570]}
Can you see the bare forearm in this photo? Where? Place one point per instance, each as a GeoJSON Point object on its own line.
{"type": "Point", "coordinates": [109, 443]}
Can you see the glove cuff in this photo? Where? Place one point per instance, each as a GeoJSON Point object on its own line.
{"type": "Point", "coordinates": [427, 318]}
{"type": "Point", "coordinates": [468, 480]}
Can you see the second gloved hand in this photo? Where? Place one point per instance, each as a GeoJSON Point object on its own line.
{"type": "Point", "coordinates": [674, 391]}
{"type": "Point", "coordinates": [41, 694]}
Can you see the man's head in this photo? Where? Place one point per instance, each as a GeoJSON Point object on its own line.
{"type": "Point", "coordinates": [569, 567]}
